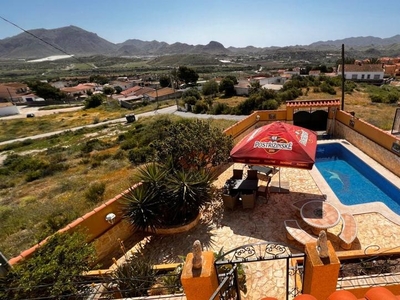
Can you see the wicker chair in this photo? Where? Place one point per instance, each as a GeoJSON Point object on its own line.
{"type": "Point", "coordinates": [237, 174]}
{"type": "Point", "coordinates": [248, 200]}
{"type": "Point", "coordinates": [230, 201]}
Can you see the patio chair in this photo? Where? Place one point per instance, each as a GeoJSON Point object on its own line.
{"type": "Point", "coordinates": [295, 232]}
{"type": "Point", "coordinates": [263, 190]}
{"type": "Point", "coordinates": [248, 200]}
{"type": "Point", "coordinates": [230, 201]}
{"type": "Point", "coordinates": [237, 174]}
{"type": "Point", "coordinates": [349, 231]}
{"type": "Point", "coordinates": [252, 174]}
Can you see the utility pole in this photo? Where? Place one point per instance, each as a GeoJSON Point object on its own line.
{"type": "Point", "coordinates": [343, 79]}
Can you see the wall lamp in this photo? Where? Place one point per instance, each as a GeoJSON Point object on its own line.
{"type": "Point", "coordinates": [110, 218]}
{"type": "Point", "coordinates": [258, 118]}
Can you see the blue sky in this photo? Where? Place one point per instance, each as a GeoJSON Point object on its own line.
{"type": "Point", "coordinates": [238, 23]}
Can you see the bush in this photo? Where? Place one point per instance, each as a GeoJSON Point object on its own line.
{"type": "Point", "coordinates": [136, 276]}
{"type": "Point", "coordinates": [327, 88]}
{"type": "Point", "coordinates": [220, 109]}
{"type": "Point", "coordinates": [270, 105]}
{"type": "Point", "coordinates": [139, 155]}
{"type": "Point", "coordinates": [95, 192]}
{"type": "Point", "coordinates": [54, 270]}
{"type": "Point", "coordinates": [200, 107]}
{"type": "Point", "coordinates": [94, 101]}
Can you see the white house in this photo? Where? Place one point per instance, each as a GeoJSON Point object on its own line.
{"type": "Point", "coordinates": [8, 109]}
{"type": "Point", "coordinates": [362, 72]}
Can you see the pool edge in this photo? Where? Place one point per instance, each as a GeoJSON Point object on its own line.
{"type": "Point", "coordinates": [373, 207]}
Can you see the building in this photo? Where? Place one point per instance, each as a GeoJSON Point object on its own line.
{"type": "Point", "coordinates": [13, 92]}
{"type": "Point", "coordinates": [8, 109]}
{"type": "Point", "coordinates": [372, 73]}
{"type": "Point", "coordinates": [163, 94]}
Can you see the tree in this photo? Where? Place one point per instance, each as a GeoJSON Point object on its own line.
{"type": "Point", "coordinates": [210, 88]}
{"type": "Point", "coordinates": [165, 81]}
{"type": "Point", "coordinates": [255, 87]}
{"type": "Point", "coordinates": [102, 80]}
{"type": "Point", "coordinates": [108, 90]}
{"type": "Point", "coordinates": [54, 270]}
{"type": "Point", "coordinates": [193, 92]}
{"type": "Point", "coordinates": [233, 78]}
{"type": "Point", "coordinates": [94, 101]}
{"type": "Point", "coordinates": [193, 144]}
{"type": "Point", "coordinates": [187, 75]}
{"type": "Point", "coordinates": [118, 89]}
{"type": "Point", "coordinates": [46, 91]}
{"type": "Point", "coordinates": [227, 87]}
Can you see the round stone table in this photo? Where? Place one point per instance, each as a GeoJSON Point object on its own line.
{"type": "Point", "coordinates": [319, 215]}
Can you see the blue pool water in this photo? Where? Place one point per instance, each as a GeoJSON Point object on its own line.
{"type": "Point", "coordinates": [352, 180]}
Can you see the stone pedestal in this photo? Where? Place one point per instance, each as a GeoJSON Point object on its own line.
{"type": "Point", "coordinates": [199, 284]}
{"type": "Point", "coordinates": [320, 274]}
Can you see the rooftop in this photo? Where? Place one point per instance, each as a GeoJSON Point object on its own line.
{"type": "Point", "coordinates": [221, 228]}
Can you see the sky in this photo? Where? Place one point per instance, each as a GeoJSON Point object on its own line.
{"type": "Point", "coordinates": [237, 23]}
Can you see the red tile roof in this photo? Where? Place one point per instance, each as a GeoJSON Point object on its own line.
{"type": "Point", "coordinates": [362, 68]}
{"type": "Point", "coordinates": [313, 103]}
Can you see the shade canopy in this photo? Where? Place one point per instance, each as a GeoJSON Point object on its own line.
{"type": "Point", "coordinates": [277, 144]}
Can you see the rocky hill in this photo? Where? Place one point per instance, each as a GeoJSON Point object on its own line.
{"type": "Point", "coordinates": [39, 43]}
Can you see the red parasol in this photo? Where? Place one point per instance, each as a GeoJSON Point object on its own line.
{"type": "Point", "coordinates": [277, 144]}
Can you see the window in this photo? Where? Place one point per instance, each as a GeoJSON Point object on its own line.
{"type": "Point", "coordinates": [354, 76]}
{"type": "Point", "coordinates": [362, 76]}
{"type": "Point", "coordinates": [376, 76]}
{"type": "Point", "coordinates": [369, 76]}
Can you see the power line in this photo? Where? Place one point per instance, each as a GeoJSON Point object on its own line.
{"type": "Point", "coordinates": [44, 41]}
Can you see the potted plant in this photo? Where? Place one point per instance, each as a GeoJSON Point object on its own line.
{"type": "Point", "coordinates": [166, 197]}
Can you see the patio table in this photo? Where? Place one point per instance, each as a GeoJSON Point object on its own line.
{"type": "Point", "coordinates": [244, 185]}
{"type": "Point", "coordinates": [319, 215]}
{"type": "Point", "coordinates": [262, 169]}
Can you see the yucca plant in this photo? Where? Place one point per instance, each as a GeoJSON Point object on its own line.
{"type": "Point", "coordinates": [166, 196]}
{"type": "Point", "coordinates": [187, 191]}
{"type": "Point", "coordinates": [143, 208]}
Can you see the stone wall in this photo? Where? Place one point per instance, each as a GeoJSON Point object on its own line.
{"type": "Point", "coordinates": [385, 157]}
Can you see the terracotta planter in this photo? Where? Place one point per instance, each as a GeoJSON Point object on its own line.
{"type": "Point", "coordinates": [177, 229]}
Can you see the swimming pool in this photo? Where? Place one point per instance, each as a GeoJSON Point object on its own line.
{"type": "Point", "coordinates": [352, 180]}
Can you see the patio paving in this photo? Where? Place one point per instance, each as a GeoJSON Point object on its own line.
{"type": "Point", "coordinates": [220, 228]}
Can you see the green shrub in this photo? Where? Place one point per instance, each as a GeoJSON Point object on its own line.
{"type": "Point", "coordinates": [139, 155]}
{"type": "Point", "coordinates": [136, 276]}
{"type": "Point", "coordinates": [327, 88]}
{"type": "Point", "coordinates": [200, 107]}
{"type": "Point", "coordinates": [95, 192]}
{"type": "Point", "coordinates": [54, 270]}
{"type": "Point", "coordinates": [220, 109]}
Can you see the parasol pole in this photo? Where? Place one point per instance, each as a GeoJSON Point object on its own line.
{"type": "Point", "coordinates": [279, 190]}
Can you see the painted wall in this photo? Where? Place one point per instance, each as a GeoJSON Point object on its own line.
{"type": "Point", "coordinates": [375, 142]}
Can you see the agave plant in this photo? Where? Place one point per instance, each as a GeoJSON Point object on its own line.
{"type": "Point", "coordinates": [143, 208]}
{"type": "Point", "coordinates": [166, 196]}
{"type": "Point", "coordinates": [187, 191]}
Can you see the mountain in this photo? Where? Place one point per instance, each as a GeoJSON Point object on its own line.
{"type": "Point", "coordinates": [40, 43]}
{"type": "Point", "coordinates": [70, 39]}
{"type": "Point", "coordinates": [367, 41]}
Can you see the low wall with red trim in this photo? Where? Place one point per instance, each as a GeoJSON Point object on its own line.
{"type": "Point", "coordinates": [372, 140]}
{"type": "Point", "coordinates": [368, 138]}
{"type": "Point", "coordinates": [104, 235]}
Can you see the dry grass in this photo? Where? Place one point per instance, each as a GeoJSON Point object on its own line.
{"type": "Point", "coordinates": [378, 114]}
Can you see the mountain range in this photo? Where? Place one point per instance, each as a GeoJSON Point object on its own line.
{"type": "Point", "coordinates": [39, 43]}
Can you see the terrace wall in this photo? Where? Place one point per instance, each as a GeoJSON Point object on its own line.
{"type": "Point", "coordinates": [375, 142]}
{"type": "Point", "coordinates": [370, 139]}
